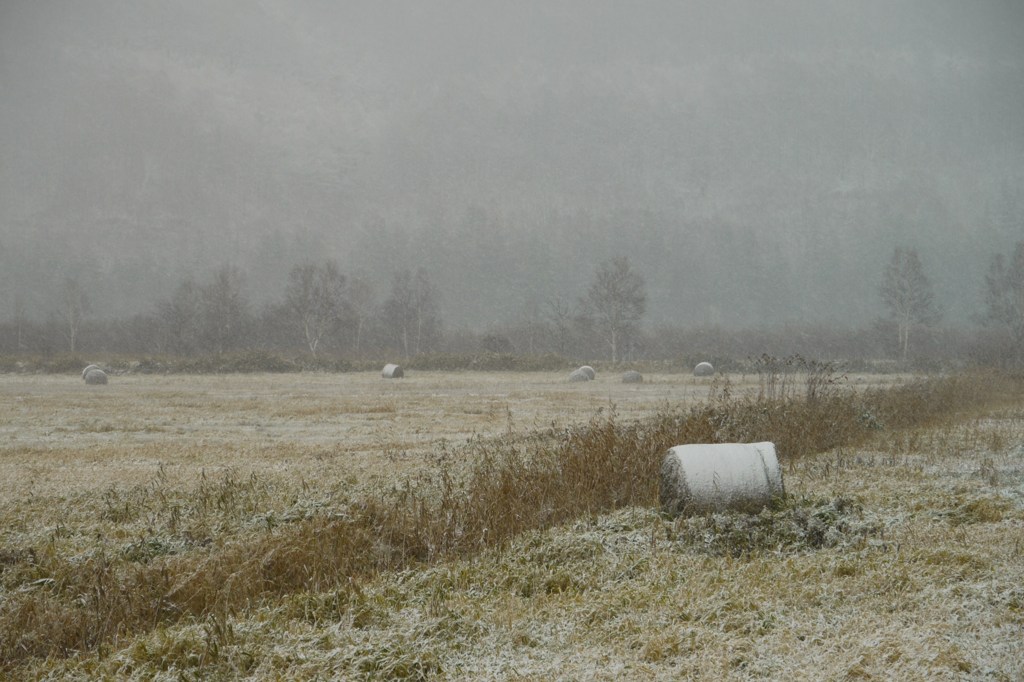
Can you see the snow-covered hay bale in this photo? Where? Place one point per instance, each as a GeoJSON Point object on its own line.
{"type": "Point", "coordinates": [579, 375]}
{"type": "Point", "coordinates": [632, 377]}
{"type": "Point", "coordinates": [88, 369]}
{"type": "Point", "coordinates": [95, 376]}
{"type": "Point", "coordinates": [703, 369]}
{"type": "Point", "coordinates": [726, 476]}
{"type": "Point", "coordinates": [391, 371]}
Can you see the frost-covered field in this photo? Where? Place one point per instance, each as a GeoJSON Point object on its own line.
{"type": "Point", "coordinates": [901, 560]}
{"type": "Point", "coordinates": [58, 435]}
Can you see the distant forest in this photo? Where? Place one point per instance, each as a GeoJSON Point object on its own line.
{"type": "Point", "coordinates": [756, 162]}
{"type": "Point", "coordinates": [325, 319]}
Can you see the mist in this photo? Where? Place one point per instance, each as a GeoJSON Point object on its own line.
{"type": "Point", "coordinates": [757, 162]}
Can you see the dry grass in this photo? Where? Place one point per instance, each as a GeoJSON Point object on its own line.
{"type": "Point", "coordinates": [503, 556]}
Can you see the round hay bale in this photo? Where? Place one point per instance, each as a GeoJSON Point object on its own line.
{"type": "Point", "coordinates": [392, 371]}
{"type": "Point", "coordinates": [95, 376]}
{"type": "Point", "coordinates": [632, 377]}
{"type": "Point", "coordinates": [87, 369]}
{"type": "Point", "coordinates": [703, 369]}
{"type": "Point", "coordinates": [726, 476]}
{"type": "Point", "coordinates": [591, 374]}
{"type": "Point", "coordinates": [579, 375]}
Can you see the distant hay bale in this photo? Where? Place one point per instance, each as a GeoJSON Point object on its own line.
{"type": "Point", "coordinates": [580, 375]}
{"type": "Point", "coordinates": [391, 371]}
{"type": "Point", "coordinates": [95, 376]}
{"type": "Point", "coordinates": [88, 369]}
{"type": "Point", "coordinates": [702, 478]}
{"type": "Point", "coordinates": [589, 371]}
{"type": "Point", "coordinates": [632, 377]}
{"type": "Point", "coordinates": [703, 369]}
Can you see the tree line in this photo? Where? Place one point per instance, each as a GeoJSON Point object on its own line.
{"type": "Point", "coordinates": [908, 296]}
{"type": "Point", "coordinates": [323, 311]}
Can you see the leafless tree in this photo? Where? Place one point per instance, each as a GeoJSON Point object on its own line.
{"type": "Point", "coordinates": [315, 297]}
{"type": "Point", "coordinates": [20, 322]}
{"type": "Point", "coordinates": [74, 307]}
{"type": "Point", "coordinates": [1004, 295]}
{"type": "Point", "coordinates": [363, 300]}
{"type": "Point", "coordinates": [411, 311]}
{"type": "Point", "coordinates": [530, 324]}
{"type": "Point", "coordinates": [907, 293]}
{"type": "Point", "coordinates": [558, 314]}
{"type": "Point", "coordinates": [617, 299]}
{"type": "Point", "coordinates": [181, 318]}
{"type": "Point", "coordinates": [225, 310]}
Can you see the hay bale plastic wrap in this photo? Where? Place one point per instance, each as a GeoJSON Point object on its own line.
{"type": "Point", "coordinates": [703, 369]}
{"type": "Point", "coordinates": [392, 371]}
{"type": "Point", "coordinates": [632, 377]}
{"type": "Point", "coordinates": [95, 377]}
{"type": "Point", "coordinates": [721, 477]}
{"type": "Point", "coordinates": [589, 371]}
{"type": "Point", "coordinates": [579, 375]}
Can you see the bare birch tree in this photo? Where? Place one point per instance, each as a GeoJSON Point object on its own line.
{"type": "Point", "coordinates": [617, 299]}
{"type": "Point", "coordinates": [907, 293]}
{"type": "Point", "coordinates": [315, 297]}
{"type": "Point", "coordinates": [74, 307]}
{"type": "Point", "coordinates": [411, 312]}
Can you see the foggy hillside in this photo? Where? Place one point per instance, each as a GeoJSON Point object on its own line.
{"type": "Point", "coordinates": [757, 161]}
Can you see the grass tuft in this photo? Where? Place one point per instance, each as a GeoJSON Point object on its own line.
{"type": "Point", "coordinates": [794, 527]}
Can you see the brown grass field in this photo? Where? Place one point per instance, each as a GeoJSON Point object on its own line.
{"type": "Point", "coordinates": [60, 436]}
{"type": "Point", "coordinates": [473, 526]}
